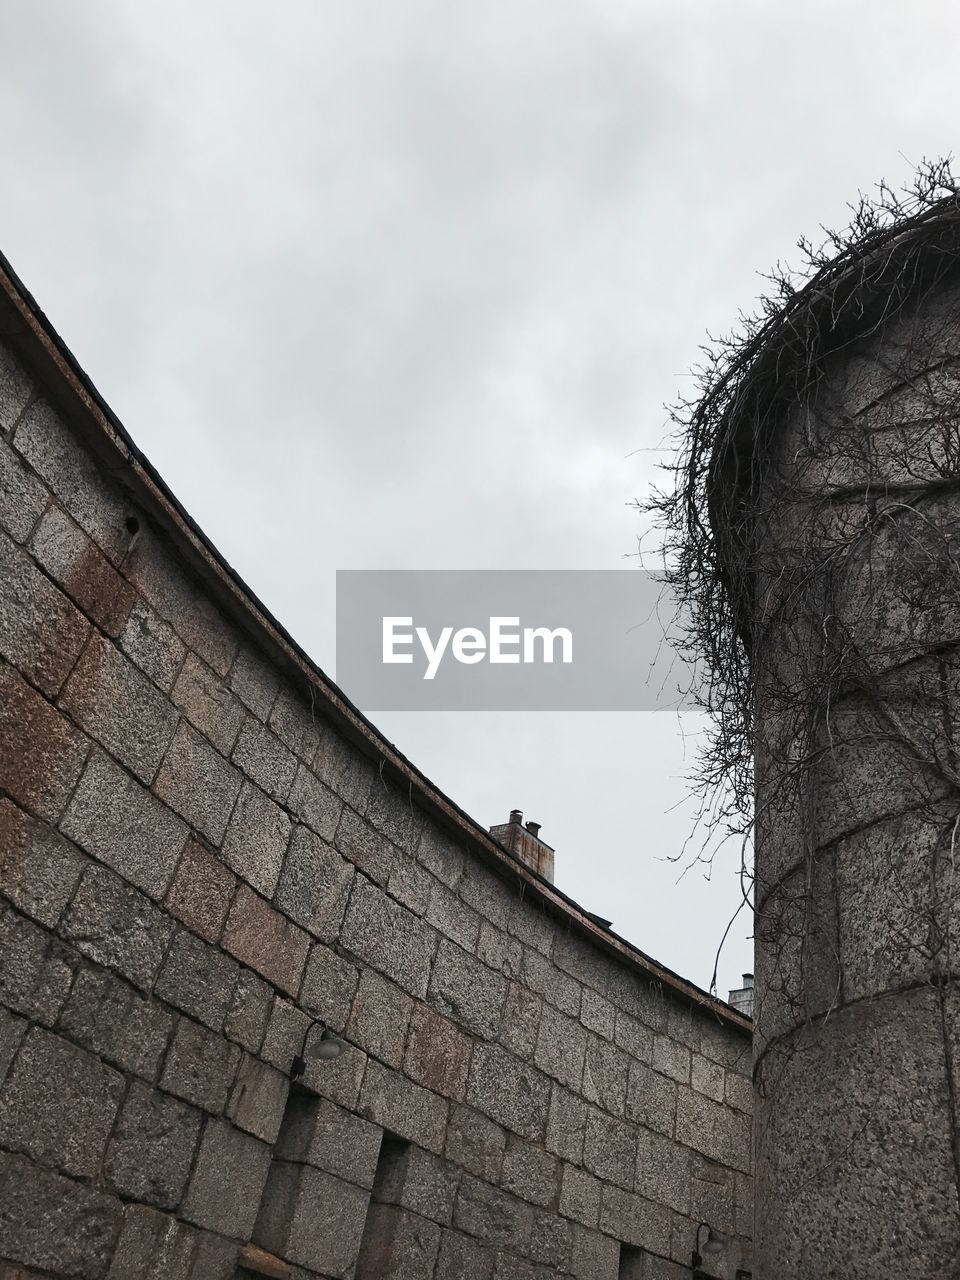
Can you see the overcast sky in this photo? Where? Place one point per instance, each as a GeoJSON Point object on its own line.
{"type": "Point", "coordinates": [405, 285]}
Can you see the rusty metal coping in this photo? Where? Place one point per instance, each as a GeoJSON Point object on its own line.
{"type": "Point", "coordinates": [42, 349]}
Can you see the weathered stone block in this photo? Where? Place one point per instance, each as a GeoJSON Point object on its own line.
{"type": "Point", "coordinates": [398, 1245]}
{"type": "Point", "coordinates": [671, 1059]}
{"type": "Point", "coordinates": [441, 855]}
{"type": "Point", "coordinates": [41, 753]}
{"type": "Point", "coordinates": [714, 1129]}
{"type": "Point", "coordinates": [598, 1014]}
{"type": "Point", "coordinates": [437, 1054]}
{"type": "Point", "coordinates": [738, 1091]}
{"type": "Point", "coordinates": [22, 496]}
{"type": "Point", "coordinates": [467, 990]}
{"type": "Point", "coordinates": [707, 1077]}
{"type": "Point", "coordinates": [610, 1149]}
{"type": "Point", "coordinates": [329, 984]}
{"type": "Point", "coordinates": [249, 1010]}
{"type": "Point", "coordinates": [493, 1216]}
{"type": "Point", "coordinates": [497, 949]}
{"type": "Point", "coordinates": [509, 1091]}
{"type": "Point", "coordinates": [228, 1181]}
{"type": "Point", "coordinates": [208, 704]}
{"type": "Point", "coordinates": [605, 1071]}
{"type": "Point", "coordinates": [555, 987]}
{"type": "Point", "coordinates": [392, 812]}
{"type": "Point", "coordinates": [153, 1246]}
{"type": "Point", "coordinates": [633, 1037]}
{"type": "Point", "coordinates": [286, 1032]}
{"type": "Point", "coordinates": [296, 723]}
{"type": "Point", "coordinates": [315, 804]}
{"type": "Point", "coordinates": [258, 1098]}
{"type": "Point", "coordinates": [338, 1080]}
{"type": "Point", "coordinates": [379, 1018]}
{"type": "Point", "coordinates": [344, 769]}
{"type": "Point", "coordinates": [520, 1023]}
{"type": "Point", "coordinates": [664, 1171]}
{"type": "Point", "coordinates": [16, 388]}
{"type": "Point", "coordinates": [529, 1172]}
{"type": "Point", "coordinates": [489, 896]}
{"type": "Point", "coordinates": [635, 1221]}
{"type": "Point", "coordinates": [566, 1125]}
{"type": "Point", "coordinates": [198, 783]}
{"type": "Point", "coordinates": [152, 1148]}
{"type": "Point", "coordinates": [388, 937]}
{"type": "Point", "coordinates": [651, 1099]}
{"type": "Point", "coordinates": [254, 681]}
{"type": "Point", "coordinates": [153, 645]}
{"type": "Point", "coordinates": [52, 1222]}
{"type": "Point", "coordinates": [201, 892]}
{"type": "Point", "coordinates": [452, 917]}
{"type": "Point", "coordinates": [462, 1258]}
{"type": "Point", "coordinates": [391, 1100]}
{"type": "Point", "coordinates": [256, 839]}
{"type": "Point", "coordinates": [115, 702]}
{"type": "Point", "coordinates": [41, 632]}
{"type": "Point", "coordinates": [580, 1195]}
{"type": "Point", "coordinates": [410, 884]}
{"type": "Point", "coordinates": [550, 1241]}
{"type": "Point", "coordinates": [123, 825]}
{"type": "Point", "coordinates": [106, 1016]}
{"type": "Point", "coordinates": [35, 973]}
{"type": "Point", "coordinates": [78, 566]}
{"type": "Point", "coordinates": [594, 1256]}
{"type": "Point", "coordinates": [561, 1048]}
{"type": "Point", "coordinates": [200, 1066]}
{"type": "Point", "coordinates": [114, 924]}
{"type": "Point", "coordinates": [198, 979]}
{"type": "Point", "coordinates": [314, 884]}
{"type": "Point", "coordinates": [59, 1104]}
{"type": "Point", "coordinates": [265, 940]}
{"type": "Point", "coordinates": [318, 1132]}
{"type": "Point", "coordinates": [475, 1143]}
{"type": "Point", "coordinates": [312, 1218]}
{"type": "Point", "coordinates": [368, 850]}
{"type": "Point", "coordinates": [12, 1031]}
{"type": "Point", "coordinates": [264, 759]}
{"type": "Point", "coordinates": [38, 870]}
{"type": "Point", "coordinates": [418, 1180]}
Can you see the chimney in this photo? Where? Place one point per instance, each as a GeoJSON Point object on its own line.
{"type": "Point", "coordinates": [525, 844]}
{"type": "Point", "coordinates": [742, 998]}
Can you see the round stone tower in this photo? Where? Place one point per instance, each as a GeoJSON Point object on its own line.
{"type": "Point", "coordinates": [834, 489]}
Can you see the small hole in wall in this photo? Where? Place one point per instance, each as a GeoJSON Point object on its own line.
{"type": "Point", "coordinates": [133, 524]}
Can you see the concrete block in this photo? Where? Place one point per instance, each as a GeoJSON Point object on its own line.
{"type": "Point", "coordinates": [228, 1181]}
{"type": "Point", "coordinates": [296, 723]}
{"type": "Point", "coordinates": [529, 1172]}
{"type": "Point", "coordinates": [264, 759]}
{"type": "Point", "coordinates": [379, 1018]}
{"type": "Point", "coordinates": [82, 571]}
{"type": "Point", "coordinates": [561, 1048]}
{"type": "Point", "coordinates": [463, 988]}
{"type": "Point", "coordinates": [594, 1256]}
{"type": "Point", "coordinates": [315, 804]}
{"type": "Point", "coordinates": [509, 1091]}
{"type": "Point", "coordinates": [38, 870]}
{"type": "Point", "coordinates": [388, 937]}
{"type": "Point", "coordinates": [262, 938]}
{"type": "Point", "coordinates": [605, 1073]}
{"type": "Point", "coordinates": [54, 1223]}
{"type": "Point", "coordinates": [368, 850]}
{"type": "Point", "coordinates": [198, 979]}
{"type": "Point", "coordinates": [451, 916]}
{"type": "Point", "coordinates": [59, 1104]}
{"type": "Point", "coordinates": [123, 825]}
{"type": "Point", "coordinates": [492, 1216]}
{"type": "Point", "coordinates": [200, 1067]}
{"type": "Point", "coordinates": [256, 839]}
{"type": "Point", "coordinates": [610, 1149]}
{"type": "Point", "coordinates": [398, 1245]}
{"type": "Point", "coordinates": [258, 1098]}
{"type": "Point", "coordinates": [312, 1218]}
{"type": "Point", "coordinates": [396, 1103]}
{"type": "Point", "coordinates": [670, 1058]}
{"type": "Point", "coordinates": [392, 813]}
{"type": "Point", "coordinates": [117, 926]}
{"type": "Point", "coordinates": [254, 681]}
{"type": "Point", "coordinates": [566, 1125]}
{"type": "Point", "coordinates": [651, 1099]}
{"type": "Point", "coordinates": [580, 1195]}
{"type": "Point", "coordinates": [437, 1053]}
{"type": "Point", "coordinates": [663, 1171]}
{"type": "Point", "coordinates": [41, 632]}
{"type": "Point", "coordinates": [35, 973]}
{"type": "Point", "coordinates": [520, 1023]}
{"type": "Point", "coordinates": [116, 703]}
{"type": "Point", "coordinates": [152, 645]}
{"type": "Point", "coordinates": [329, 984]}
{"type": "Point", "coordinates": [41, 753]}
{"type": "Point", "coordinates": [22, 496]}
{"type": "Point", "coordinates": [318, 1132]}
{"type": "Point", "coordinates": [108, 1017]}
{"type": "Point", "coordinates": [441, 855]}
{"type": "Point", "coordinates": [67, 468]}
{"type": "Point", "coordinates": [249, 1011]}
{"type": "Point", "coordinates": [152, 1148]}
{"type": "Point", "coordinates": [344, 769]}
{"type": "Point", "coordinates": [475, 1143]}
{"type": "Point", "coordinates": [314, 884]}
{"type": "Point", "coordinates": [198, 783]}
{"type": "Point", "coordinates": [286, 1030]}
{"type": "Point", "coordinates": [208, 704]}
{"type": "Point", "coordinates": [462, 1258]}
{"type": "Point", "coordinates": [201, 892]}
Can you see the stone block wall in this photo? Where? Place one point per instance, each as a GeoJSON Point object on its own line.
{"type": "Point", "coordinates": [202, 864]}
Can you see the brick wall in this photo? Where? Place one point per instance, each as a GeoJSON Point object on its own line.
{"type": "Point", "coordinates": [201, 862]}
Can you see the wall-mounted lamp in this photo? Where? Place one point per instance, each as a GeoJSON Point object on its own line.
{"type": "Point", "coordinates": [327, 1046]}
{"type": "Point", "coordinates": [714, 1243]}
